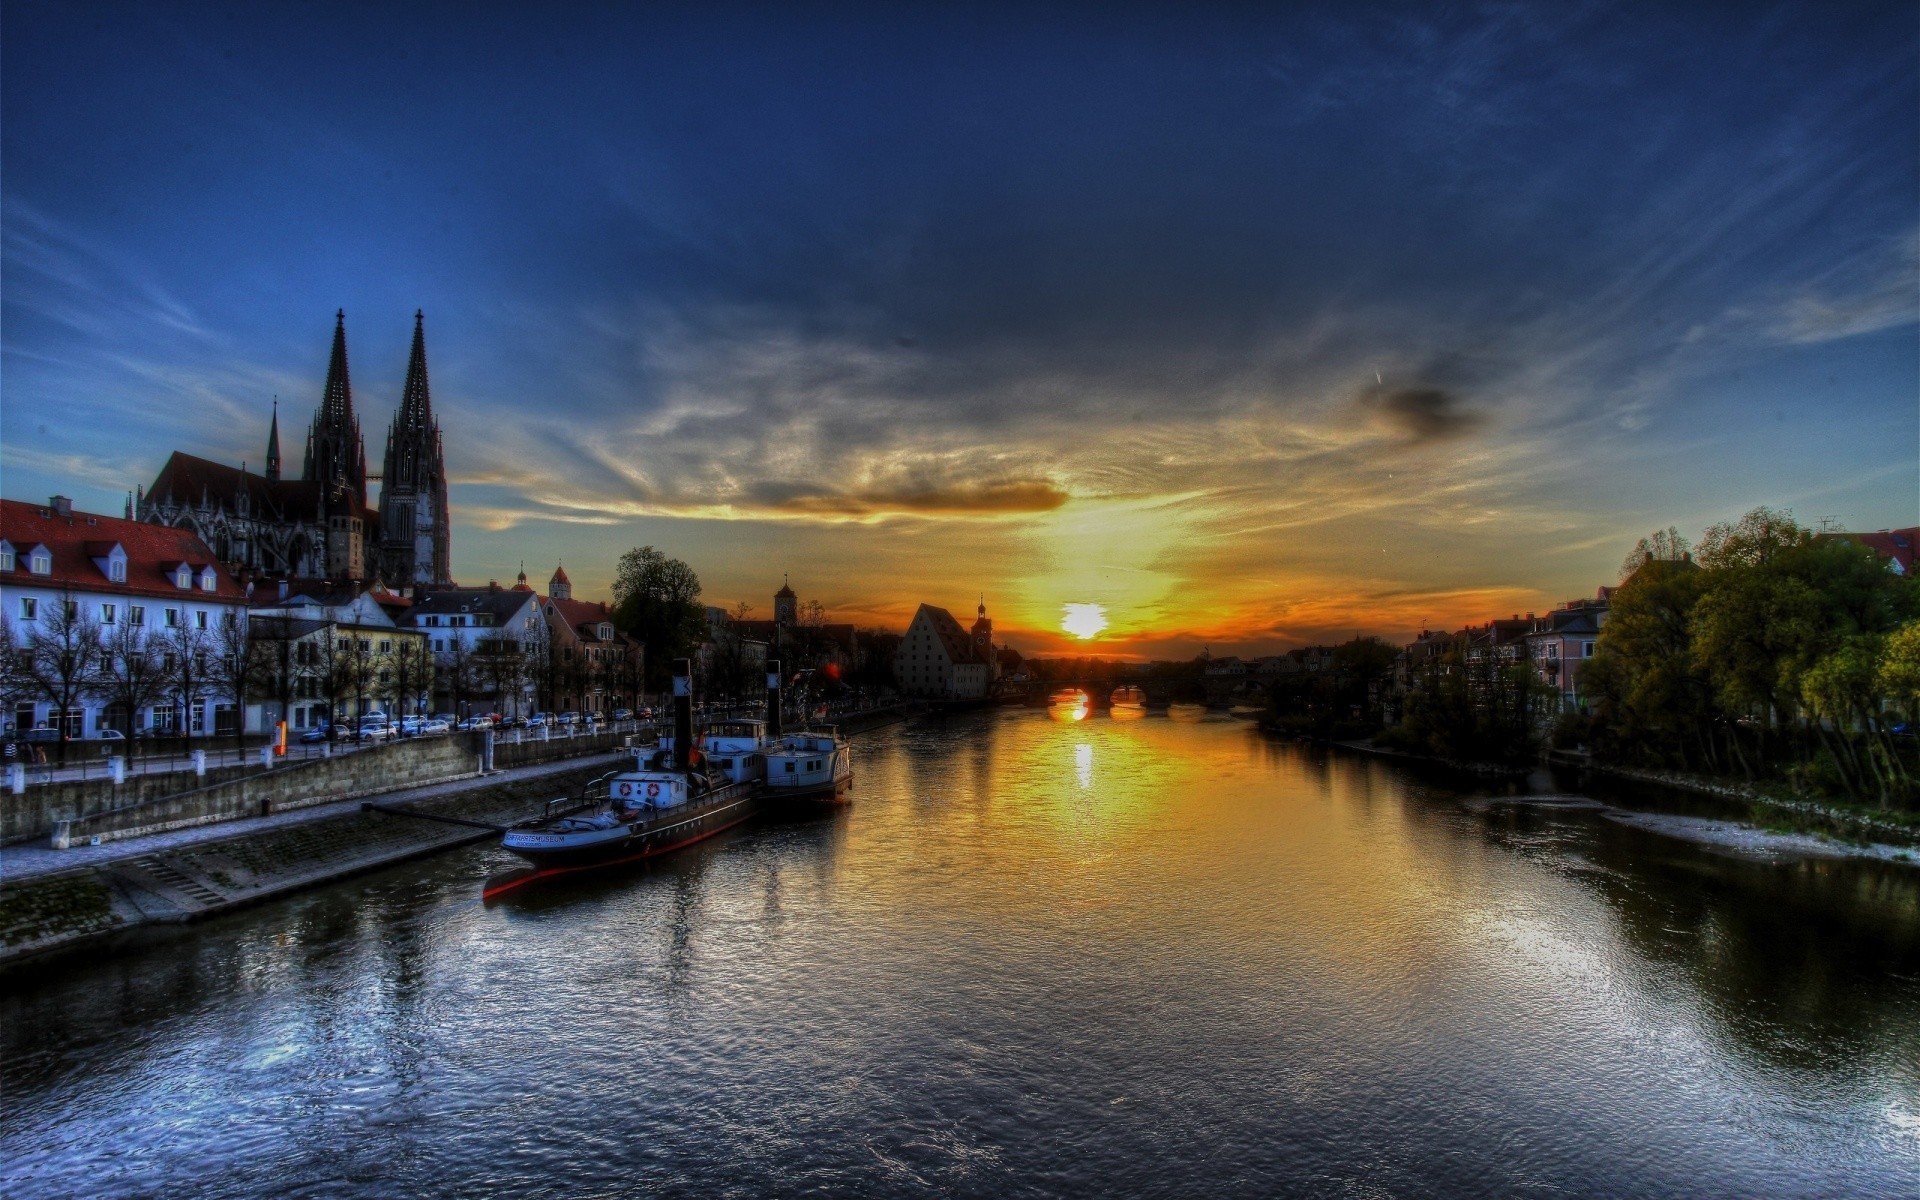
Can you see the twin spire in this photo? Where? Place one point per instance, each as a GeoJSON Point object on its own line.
{"type": "Point", "coordinates": [336, 454]}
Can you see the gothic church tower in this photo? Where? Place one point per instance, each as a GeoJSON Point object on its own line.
{"type": "Point", "coordinates": [415, 538]}
{"type": "Point", "coordinates": [335, 452]}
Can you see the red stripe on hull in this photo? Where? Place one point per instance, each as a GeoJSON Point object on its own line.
{"type": "Point", "coordinates": [653, 852]}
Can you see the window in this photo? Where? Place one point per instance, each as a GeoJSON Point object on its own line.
{"type": "Point", "coordinates": [6, 556]}
{"type": "Point", "coordinates": [386, 645]}
{"type": "Point", "coordinates": [136, 614]}
{"type": "Point", "coordinates": [107, 613]}
{"type": "Point", "coordinates": [229, 618]}
{"type": "Point", "coordinates": [173, 618]}
{"type": "Point", "coordinates": [117, 570]}
{"type": "Point", "coordinates": [200, 619]}
{"type": "Point", "coordinates": [183, 578]}
{"type": "Point", "coordinates": [1586, 650]}
{"type": "Point", "coordinates": [72, 608]}
{"type": "Point", "coordinates": [29, 608]}
{"type": "Point", "coordinates": [41, 563]}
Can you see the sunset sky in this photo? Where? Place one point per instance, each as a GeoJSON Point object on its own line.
{"type": "Point", "coordinates": [1252, 328]}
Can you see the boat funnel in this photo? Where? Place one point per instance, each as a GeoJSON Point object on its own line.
{"type": "Point", "coordinates": [773, 697]}
{"type": "Point", "coordinates": [682, 712]}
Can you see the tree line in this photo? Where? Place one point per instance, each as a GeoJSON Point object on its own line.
{"type": "Point", "coordinates": [1771, 651]}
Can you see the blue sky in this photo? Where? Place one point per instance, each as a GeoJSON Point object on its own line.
{"type": "Point", "coordinates": [1254, 327]}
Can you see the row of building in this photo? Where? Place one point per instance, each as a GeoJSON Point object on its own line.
{"type": "Point", "coordinates": [82, 594]}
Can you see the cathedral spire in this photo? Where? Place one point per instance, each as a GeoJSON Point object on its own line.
{"type": "Point", "coordinates": [414, 521]}
{"type": "Point", "coordinates": [335, 452]}
{"type": "Point", "coordinates": [273, 443]}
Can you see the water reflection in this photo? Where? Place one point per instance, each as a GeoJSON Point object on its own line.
{"type": "Point", "coordinates": [1187, 953]}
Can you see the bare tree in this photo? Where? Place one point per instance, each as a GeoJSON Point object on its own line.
{"type": "Point", "coordinates": [356, 666]}
{"type": "Point", "coordinates": [16, 682]}
{"type": "Point", "coordinates": [412, 673]}
{"type": "Point", "coordinates": [186, 659]}
{"type": "Point", "coordinates": [502, 664]}
{"type": "Point", "coordinates": [240, 668]}
{"type": "Point", "coordinates": [61, 654]}
{"type": "Point", "coordinates": [130, 676]}
{"type": "Point", "coordinates": [283, 660]}
{"type": "Point", "coordinates": [454, 669]}
{"type": "Point", "coordinates": [331, 670]}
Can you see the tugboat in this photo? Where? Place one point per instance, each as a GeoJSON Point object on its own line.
{"type": "Point", "coordinates": [674, 796]}
{"type": "Point", "coordinates": [813, 763]}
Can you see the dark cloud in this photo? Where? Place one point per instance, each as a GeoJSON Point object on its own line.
{"type": "Point", "coordinates": [1422, 414]}
{"type": "Point", "coordinates": [1027, 496]}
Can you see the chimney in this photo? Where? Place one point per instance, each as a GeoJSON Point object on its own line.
{"type": "Point", "coordinates": [773, 697]}
{"type": "Point", "coordinates": [62, 506]}
{"type": "Point", "coordinates": [682, 713]}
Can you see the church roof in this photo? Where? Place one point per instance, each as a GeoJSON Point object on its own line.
{"type": "Point", "coordinates": [187, 479]}
{"type": "Point", "coordinates": [785, 592]}
{"type": "Point", "coordinates": [560, 575]}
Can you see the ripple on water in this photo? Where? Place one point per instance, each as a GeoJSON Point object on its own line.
{"type": "Point", "coordinates": [1034, 958]}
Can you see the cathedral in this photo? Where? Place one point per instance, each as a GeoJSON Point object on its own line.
{"type": "Point", "coordinates": [320, 525]}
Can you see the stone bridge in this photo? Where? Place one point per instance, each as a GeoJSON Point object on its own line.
{"type": "Point", "coordinates": [1221, 691]}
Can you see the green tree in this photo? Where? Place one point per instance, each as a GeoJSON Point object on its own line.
{"type": "Point", "coordinates": [657, 601]}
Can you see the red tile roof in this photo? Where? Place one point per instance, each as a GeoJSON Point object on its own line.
{"type": "Point", "coordinates": [152, 552]}
{"type": "Point", "coordinates": [1896, 544]}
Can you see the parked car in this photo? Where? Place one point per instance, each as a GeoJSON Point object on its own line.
{"type": "Point", "coordinates": [410, 726]}
{"type": "Point", "coordinates": [42, 734]}
{"type": "Point", "coordinates": [567, 718]}
{"type": "Point", "coordinates": [536, 720]}
{"type": "Point", "coordinates": [319, 733]}
{"type": "Point", "coordinates": [623, 714]}
{"type": "Point", "coordinates": [430, 728]}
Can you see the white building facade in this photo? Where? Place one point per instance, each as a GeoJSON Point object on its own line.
{"type": "Point", "coordinates": [129, 586]}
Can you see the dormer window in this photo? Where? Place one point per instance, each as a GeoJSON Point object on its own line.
{"type": "Point", "coordinates": [183, 577]}
{"type": "Point", "coordinates": [6, 555]}
{"type": "Point", "coordinates": [606, 632]}
{"type": "Point", "coordinates": [40, 562]}
{"type": "Point", "coordinates": [209, 580]}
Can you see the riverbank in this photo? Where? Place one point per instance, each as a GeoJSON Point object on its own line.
{"type": "Point", "coordinates": [1773, 822]}
{"type": "Point", "coordinates": [1777, 813]}
{"type": "Point", "coordinates": [83, 898]}
{"type": "Point", "coordinates": [69, 900]}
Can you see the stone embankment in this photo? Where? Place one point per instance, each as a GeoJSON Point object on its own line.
{"type": "Point", "coordinates": [78, 812]}
{"type": "Point", "coordinates": [239, 841]}
{"type": "Point", "coordinates": [196, 873]}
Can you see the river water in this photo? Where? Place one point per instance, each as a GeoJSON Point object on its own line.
{"type": "Point", "coordinates": [1035, 957]}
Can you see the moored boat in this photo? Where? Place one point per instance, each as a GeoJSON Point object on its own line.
{"type": "Point", "coordinates": [813, 763]}
{"type": "Point", "coordinates": [674, 796]}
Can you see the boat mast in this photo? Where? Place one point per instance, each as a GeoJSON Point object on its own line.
{"type": "Point", "coordinates": [682, 713]}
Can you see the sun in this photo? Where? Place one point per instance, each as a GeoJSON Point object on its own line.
{"type": "Point", "coordinates": [1084, 620]}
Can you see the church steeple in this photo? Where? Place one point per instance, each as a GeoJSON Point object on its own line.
{"type": "Point", "coordinates": [273, 443]}
{"type": "Point", "coordinates": [336, 453]}
{"type": "Point", "coordinates": [414, 525]}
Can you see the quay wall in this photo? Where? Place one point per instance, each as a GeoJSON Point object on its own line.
{"type": "Point", "coordinates": [31, 814]}
{"type": "Point", "coordinates": [73, 909]}
{"type": "Point", "coordinates": [507, 753]}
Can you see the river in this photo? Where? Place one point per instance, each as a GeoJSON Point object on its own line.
{"type": "Point", "coordinates": [1034, 957]}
